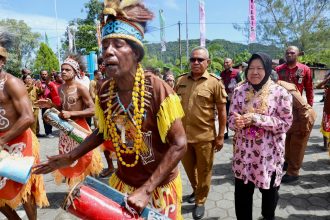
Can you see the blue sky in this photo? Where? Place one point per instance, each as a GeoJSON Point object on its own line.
{"type": "Point", "coordinates": [220, 14]}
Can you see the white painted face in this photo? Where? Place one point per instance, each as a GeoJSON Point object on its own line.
{"type": "Point", "coordinates": [256, 72]}
{"type": "Point", "coordinates": [68, 73]}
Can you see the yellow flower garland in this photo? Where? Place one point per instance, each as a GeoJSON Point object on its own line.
{"type": "Point", "coordinates": [138, 92]}
{"type": "Point", "coordinates": [262, 95]}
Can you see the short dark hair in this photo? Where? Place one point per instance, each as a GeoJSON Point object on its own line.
{"type": "Point", "coordinates": [96, 71]}
{"type": "Point", "coordinates": [24, 77]}
{"type": "Point", "coordinates": [99, 60]}
{"type": "Point", "coordinates": [25, 71]}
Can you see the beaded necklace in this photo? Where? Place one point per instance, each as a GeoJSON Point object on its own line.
{"type": "Point", "coordinates": [250, 107]}
{"type": "Point", "coordinates": [138, 97]}
{"type": "Point", "coordinates": [260, 96]}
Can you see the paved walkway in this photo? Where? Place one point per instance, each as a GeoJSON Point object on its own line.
{"type": "Point", "coordinates": [307, 199]}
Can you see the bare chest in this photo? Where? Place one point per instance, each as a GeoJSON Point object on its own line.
{"type": "Point", "coordinates": [70, 99]}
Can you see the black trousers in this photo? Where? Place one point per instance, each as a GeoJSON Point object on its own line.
{"type": "Point", "coordinates": [48, 127]}
{"type": "Point", "coordinates": [227, 111]}
{"type": "Point", "coordinates": [244, 200]}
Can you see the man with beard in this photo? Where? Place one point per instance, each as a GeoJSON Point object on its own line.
{"type": "Point", "coordinates": [17, 139]}
{"type": "Point", "coordinates": [297, 73]}
{"type": "Point", "coordinates": [230, 78]}
{"type": "Point", "coordinates": [44, 94]}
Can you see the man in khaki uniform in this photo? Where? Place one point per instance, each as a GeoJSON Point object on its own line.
{"type": "Point", "coordinates": [201, 93]}
{"type": "Point", "coordinates": [297, 137]}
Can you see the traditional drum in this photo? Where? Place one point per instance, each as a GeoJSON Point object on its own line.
{"type": "Point", "coordinates": [15, 167]}
{"type": "Point", "coordinates": [93, 199]}
{"type": "Point", "coordinates": [69, 127]}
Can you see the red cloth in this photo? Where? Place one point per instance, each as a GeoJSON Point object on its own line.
{"type": "Point", "coordinates": [53, 94]}
{"type": "Point", "coordinates": [67, 144]}
{"type": "Point", "coordinates": [227, 76]}
{"type": "Point", "coordinates": [22, 144]}
{"type": "Point", "coordinates": [46, 90]}
{"type": "Point", "coordinates": [301, 76]}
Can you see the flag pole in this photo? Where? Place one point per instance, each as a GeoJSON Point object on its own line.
{"type": "Point", "coordinates": [187, 38]}
{"type": "Point", "coordinates": [58, 41]}
{"type": "Point", "coordinates": [202, 23]}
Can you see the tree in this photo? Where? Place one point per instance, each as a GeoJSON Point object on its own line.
{"type": "Point", "coordinates": [242, 57]}
{"type": "Point", "coordinates": [86, 40]}
{"type": "Point", "coordinates": [93, 9]}
{"type": "Point", "coordinates": [24, 45]}
{"type": "Point", "coordinates": [292, 21]}
{"type": "Point", "coordinates": [46, 59]}
{"type": "Point", "coordinates": [85, 36]}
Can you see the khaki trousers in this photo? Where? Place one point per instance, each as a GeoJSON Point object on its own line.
{"type": "Point", "coordinates": [35, 126]}
{"type": "Point", "coordinates": [295, 145]}
{"type": "Point", "coordinates": [198, 162]}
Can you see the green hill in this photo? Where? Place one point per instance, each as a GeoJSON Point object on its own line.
{"type": "Point", "coordinates": [222, 48]}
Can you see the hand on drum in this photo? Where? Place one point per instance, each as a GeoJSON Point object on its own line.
{"type": "Point", "coordinates": [65, 115]}
{"type": "Point", "coordinates": [53, 163]}
{"type": "Point", "coordinates": [139, 199]}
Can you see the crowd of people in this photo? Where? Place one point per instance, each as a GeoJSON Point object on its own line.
{"type": "Point", "coordinates": [146, 120]}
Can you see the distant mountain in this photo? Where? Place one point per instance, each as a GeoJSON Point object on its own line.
{"type": "Point", "coordinates": [230, 49]}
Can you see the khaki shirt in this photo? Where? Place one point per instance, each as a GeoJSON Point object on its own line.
{"type": "Point", "coordinates": [303, 114]}
{"type": "Point", "coordinates": [199, 98]}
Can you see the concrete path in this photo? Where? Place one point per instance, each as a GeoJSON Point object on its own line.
{"type": "Point", "coordinates": [308, 199]}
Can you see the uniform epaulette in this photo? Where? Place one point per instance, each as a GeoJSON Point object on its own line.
{"type": "Point", "coordinates": [183, 74]}
{"type": "Point", "coordinates": [215, 76]}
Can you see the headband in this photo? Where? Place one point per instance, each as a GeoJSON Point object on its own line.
{"type": "Point", "coordinates": [74, 64]}
{"type": "Point", "coordinates": [123, 29]}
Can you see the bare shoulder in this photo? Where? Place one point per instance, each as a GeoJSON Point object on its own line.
{"type": "Point", "coordinates": [13, 82]}
{"type": "Point", "coordinates": [81, 88]}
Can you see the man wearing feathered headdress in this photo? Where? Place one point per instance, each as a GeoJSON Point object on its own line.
{"type": "Point", "coordinates": [139, 113]}
{"type": "Point", "coordinates": [17, 139]}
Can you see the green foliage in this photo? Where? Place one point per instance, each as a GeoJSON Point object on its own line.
{"type": "Point", "coordinates": [85, 35]}
{"type": "Point", "coordinates": [93, 9]}
{"type": "Point", "coordinates": [25, 43]}
{"type": "Point", "coordinates": [85, 39]}
{"type": "Point", "coordinates": [45, 60]}
{"type": "Point", "coordinates": [242, 57]}
{"type": "Point", "coordinates": [284, 22]}
{"type": "Point", "coordinates": [292, 22]}
{"type": "Point", "coordinates": [218, 49]}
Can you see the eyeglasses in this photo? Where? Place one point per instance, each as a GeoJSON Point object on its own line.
{"type": "Point", "coordinates": [199, 60]}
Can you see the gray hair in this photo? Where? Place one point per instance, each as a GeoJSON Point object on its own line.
{"type": "Point", "coordinates": [201, 48]}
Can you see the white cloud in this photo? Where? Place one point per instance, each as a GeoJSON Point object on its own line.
{"type": "Point", "coordinates": [171, 4]}
{"type": "Point", "coordinates": [38, 23]}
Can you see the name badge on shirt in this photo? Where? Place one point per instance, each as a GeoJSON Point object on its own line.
{"type": "Point", "coordinates": [300, 80]}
